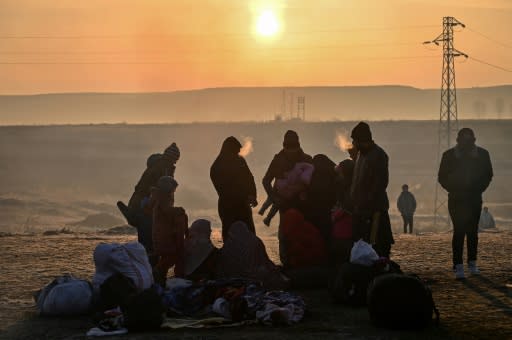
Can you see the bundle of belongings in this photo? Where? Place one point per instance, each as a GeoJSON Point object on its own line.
{"type": "Point", "coordinates": [395, 300]}
{"type": "Point", "coordinates": [125, 298]}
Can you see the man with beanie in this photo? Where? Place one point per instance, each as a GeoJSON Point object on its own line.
{"type": "Point", "coordinates": [235, 186]}
{"type": "Point", "coordinates": [158, 166]}
{"type": "Point", "coordinates": [282, 163]}
{"type": "Point", "coordinates": [465, 172]}
{"type": "Point", "coordinates": [368, 192]}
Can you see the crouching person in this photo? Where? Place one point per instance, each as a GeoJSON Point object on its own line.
{"type": "Point", "coordinates": [170, 225]}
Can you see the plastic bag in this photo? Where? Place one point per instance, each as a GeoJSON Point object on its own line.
{"type": "Point", "coordinates": [363, 253]}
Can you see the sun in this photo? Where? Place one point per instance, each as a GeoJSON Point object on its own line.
{"type": "Point", "coordinates": [267, 24]}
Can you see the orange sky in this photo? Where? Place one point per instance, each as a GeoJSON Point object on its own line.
{"type": "Point", "coordinates": [163, 45]}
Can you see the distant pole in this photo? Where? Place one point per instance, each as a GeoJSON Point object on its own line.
{"type": "Point", "coordinates": [301, 108]}
{"type": "Point", "coordinates": [448, 117]}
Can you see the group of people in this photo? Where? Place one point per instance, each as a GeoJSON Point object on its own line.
{"type": "Point", "coordinates": [323, 208]}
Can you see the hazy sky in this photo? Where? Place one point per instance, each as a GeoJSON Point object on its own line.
{"type": "Point", "coordinates": [162, 45]}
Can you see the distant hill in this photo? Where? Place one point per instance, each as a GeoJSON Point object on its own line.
{"type": "Point", "coordinates": [250, 104]}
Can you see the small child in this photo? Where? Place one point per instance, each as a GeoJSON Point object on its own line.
{"type": "Point", "coordinates": [170, 225]}
{"type": "Point", "coordinates": [295, 183]}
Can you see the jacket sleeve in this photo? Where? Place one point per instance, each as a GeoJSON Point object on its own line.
{"type": "Point", "coordinates": [249, 179]}
{"type": "Point", "coordinates": [413, 203]}
{"type": "Point", "coordinates": [444, 174]}
{"type": "Point", "coordinates": [381, 180]}
{"type": "Point", "coordinates": [270, 175]}
{"type": "Point", "coordinates": [487, 172]}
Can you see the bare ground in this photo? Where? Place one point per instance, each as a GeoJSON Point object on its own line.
{"type": "Point", "coordinates": [480, 307]}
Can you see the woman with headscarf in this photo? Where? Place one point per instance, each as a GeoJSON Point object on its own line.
{"type": "Point", "coordinates": [321, 195]}
{"type": "Point", "coordinates": [200, 253]}
{"type": "Point", "coordinates": [244, 256]}
{"type": "Point", "coordinates": [235, 186]}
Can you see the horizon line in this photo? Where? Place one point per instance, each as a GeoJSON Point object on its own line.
{"type": "Point", "coordinates": [243, 87]}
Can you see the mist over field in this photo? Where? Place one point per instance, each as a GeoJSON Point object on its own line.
{"type": "Point", "coordinates": [329, 103]}
{"type": "Point", "coordinates": [56, 176]}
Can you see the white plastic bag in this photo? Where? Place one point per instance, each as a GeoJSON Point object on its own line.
{"type": "Point", "coordinates": [129, 259]}
{"type": "Point", "coordinates": [363, 253]}
{"type": "Point", "coordinates": [65, 296]}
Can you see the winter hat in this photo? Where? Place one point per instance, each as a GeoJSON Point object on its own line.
{"type": "Point", "coordinates": [153, 159]}
{"type": "Point", "coordinates": [291, 140]}
{"type": "Point", "coordinates": [361, 132]}
{"type": "Point", "coordinates": [166, 184]}
{"type": "Point", "coordinates": [172, 152]}
{"type": "Point", "coordinates": [198, 245]}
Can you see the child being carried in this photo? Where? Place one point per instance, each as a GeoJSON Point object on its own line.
{"type": "Point", "coordinates": [294, 184]}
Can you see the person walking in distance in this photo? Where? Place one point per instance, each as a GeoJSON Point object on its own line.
{"type": "Point", "coordinates": [465, 172]}
{"type": "Point", "coordinates": [406, 204]}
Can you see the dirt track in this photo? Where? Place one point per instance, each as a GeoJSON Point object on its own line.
{"type": "Point", "coordinates": [480, 307]}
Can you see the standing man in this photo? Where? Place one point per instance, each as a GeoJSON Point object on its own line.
{"type": "Point", "coordinates": [368, 192]}
{"type": "Point", "coordinates": [406, 204]}
{"type": "Point", "coordinates": [465, 172]}
{"type": "Point", "coordinates": [235, 186]}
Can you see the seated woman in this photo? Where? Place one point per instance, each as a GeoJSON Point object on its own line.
{"type": "Point", "coordinates": [200, 253]}
{"type": "Point", "coordinates": [244, 256]}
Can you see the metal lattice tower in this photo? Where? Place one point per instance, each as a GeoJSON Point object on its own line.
{"type": "Point", "coordinates": [448, 118]}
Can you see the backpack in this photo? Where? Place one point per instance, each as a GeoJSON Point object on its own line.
{"type": "Point", "coordinates": [400, 301]}
{"type": "Point", "coordinates": [116, 291]}
{"type": "Point", "coordinates": [143, 311]}
{"type": "Point", "coordinates": [64, 296]}
{"type": "Point", "coordinates": [350, 284]}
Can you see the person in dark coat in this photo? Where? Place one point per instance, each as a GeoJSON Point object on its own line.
{"type": "Point", "coordinates": [235, 186]}
{"type": "Point", "coordinates": [368, 192]}
{"type": "Point", "coordinates": [283, 162]}
{"type": "Point", "coordinates": [406, 204]}
{"type": "Point", "coordinates": [158, 165]}
{"type": "Point", "coordinates": [321, 194]}
{"type": "Point", "coordinates": [465, 172]}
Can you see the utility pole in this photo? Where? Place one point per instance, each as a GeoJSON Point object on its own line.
{"type": "Point", "coordinates": [301, 108]}
{"type": "Point", "coordinates": [448, 117]}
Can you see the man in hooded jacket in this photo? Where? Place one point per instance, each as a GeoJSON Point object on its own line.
{"type": "Point", "coordinates": [235, 186]}
{"type": "Point", "coordinates": [465, 172]}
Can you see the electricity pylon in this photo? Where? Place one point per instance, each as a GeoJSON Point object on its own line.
{"type": "Point", "coordinates": [448, 118]}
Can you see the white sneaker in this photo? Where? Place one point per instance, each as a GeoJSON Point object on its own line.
{"type": "Point", "coordinates": [473, 269]}
{"type": "Point", "coordinates": [459, 272]}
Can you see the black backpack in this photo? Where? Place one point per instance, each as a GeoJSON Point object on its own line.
{"type": "Point", "coordinates": [115, 291]}
{"type": "Point", "coordinates": [350, 284]}
{"type": "Point", "coordinates": [144, 311]}
{"type": "Point", "coordinates": [399, 301]}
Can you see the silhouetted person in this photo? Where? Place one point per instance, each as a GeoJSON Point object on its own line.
{"type": "Point", "coordinates": [486, 220]}
{"type": "Point", "coordinates": [158, 165]}
{"type": "Point", "coordinates": [321, 194]}
{"type": "Point", "coordinates": [235, 186]}
{"type": "Point", "coordinates": [406, 204]}
{"type": "Point", "coordinates": [282, 163]}
{"type": "Point", "coordinates": [368, 192]}
{"type": "Point", "coordinates": [344, 173]}
{"type": "Point", "coordinates": [465, 172]}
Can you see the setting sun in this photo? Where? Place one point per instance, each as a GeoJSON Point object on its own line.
{"type": "Point", "coordinates": [267, 24]}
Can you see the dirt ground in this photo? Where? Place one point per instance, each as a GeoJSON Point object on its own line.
{"type": "Point", "coordinates": [479, 307]}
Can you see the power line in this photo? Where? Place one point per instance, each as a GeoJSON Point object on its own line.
{"type": "Point", "coordinates": [202, 50]}
{"type": "Point", "coordinates": [122, 62]}
{"type": "Point", "coordinates": [489, 64]}
{"type": "Point", "coordinates": [125, 36]}
{"type": "Point", "coordinates": [490, 38]}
